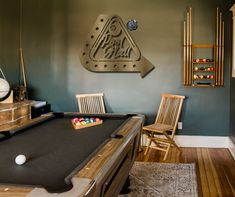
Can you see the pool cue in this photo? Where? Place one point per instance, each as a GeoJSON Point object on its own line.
{"type": "Point", "coordinates": [2, 74]}
{"type": "Point", "coordinates": [187, 44]}
{"type": "Point", "coordinates": [23, 67]}
{"type": "Point", "coordinates": [220, 47]}
{"type": "Point", "coordinates": [21, 50]}
{"type": "Point", "coordinates": [190, 45]}
{"type": "Point", "coordinates": [222, 58]}
{"type": "Point", "coordinates": [185, 60]}
{"type": "Point", "coordinates": [217, 37]}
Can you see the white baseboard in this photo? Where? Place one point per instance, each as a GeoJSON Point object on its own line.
{"type": "Point", "coordinates": [202, 141]}
{"type": "Point", "coordinates": [231, 147]}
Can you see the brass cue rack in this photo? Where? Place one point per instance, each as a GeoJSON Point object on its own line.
{"type": "Point", "coordinates": [204, 72]}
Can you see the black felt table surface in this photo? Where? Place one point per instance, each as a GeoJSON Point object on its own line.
{"type": "Point", "coordinates": [54, 149]}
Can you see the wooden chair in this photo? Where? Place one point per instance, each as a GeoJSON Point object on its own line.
{"type": "Point", "coordinates": [162, 132]}
{"type": "Point", "coordinates": [91, 103]}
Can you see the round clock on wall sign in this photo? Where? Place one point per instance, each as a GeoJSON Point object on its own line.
{"type": "Point", "coordinates": [132, 25]}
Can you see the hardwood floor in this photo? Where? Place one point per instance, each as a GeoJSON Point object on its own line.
{"type": "Point", "coordinates": [215, 168]}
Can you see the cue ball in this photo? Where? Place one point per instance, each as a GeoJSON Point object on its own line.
{"type": "Point", "coordinates": [20, 159]}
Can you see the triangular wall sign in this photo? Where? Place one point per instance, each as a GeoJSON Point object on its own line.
{"type": "Point", "coordinates": [110, 48]}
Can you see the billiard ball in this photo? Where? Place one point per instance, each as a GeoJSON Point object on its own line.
{"type": "Point", "coordinates": [83, 122]}
{"type": "Point", "coordinates": [204, 60]}
{"type": "Point", "coordinates": [77, 123]}
{"type": "Point", "coordinates": [196, 68]}
{"type": "Point", "coordinates": [80, 119]}
{"type": "Point", "coordinates": [212, 76]}
{"type": "Point", "coordinates": [75, 119]}
{"type": "Point", "coordinates": [197, 60]}
{"type": "Point", "coordinates": [20, 159]}
{"type": "Point", "coordinates": [87, 120]}
{"type": "Point", "coordinates": [97, 119]}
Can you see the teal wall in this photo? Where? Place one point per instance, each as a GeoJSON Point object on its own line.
{"type": "Point", "coordinates": [53, 34]}
{"type": "Point", "coordinates": [9, 39]}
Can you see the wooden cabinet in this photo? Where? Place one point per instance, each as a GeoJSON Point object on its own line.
{"type": "Point", "coordinates": [14, 113]}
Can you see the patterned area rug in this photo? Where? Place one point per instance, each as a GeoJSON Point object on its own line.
{"type": "Point", "coordinates": [162, 180]}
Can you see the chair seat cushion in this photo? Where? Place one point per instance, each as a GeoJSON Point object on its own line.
{"type": "Point", "coordinates": [158, 127]}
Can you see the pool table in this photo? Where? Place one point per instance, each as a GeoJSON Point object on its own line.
{"type": "Point", "coordinates": [93, 161]}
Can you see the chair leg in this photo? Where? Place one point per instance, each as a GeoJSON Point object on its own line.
{"type": "Point", "coordinates": [167, 151]}
{"type": "Point", "coordinates": [171, 140]}
{"type": "Point", "coordinates": [147, 148]}
{"type": "Point", "coordinates": [149, 144]}
{"type": "Point", "coordinates": [141, 142]}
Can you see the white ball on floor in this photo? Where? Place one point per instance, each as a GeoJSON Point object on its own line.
{"type": "Point", "coordinates": [20, 159]}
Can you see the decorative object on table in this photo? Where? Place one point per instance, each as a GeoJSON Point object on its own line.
{"type": "Point", "coordinates": [39, 107]}
{"type": "Point", "coordinates": [132, 25]}
{"type": "Point", "coordinates": [20, 93]}
{"type": "Point", "coordinates": [163, 179]}
{"type": "Point", "coordinates": [84, 122]}
{"type": "Point", "coordinates": [110, 48]}
{"type": "Point", "coordinates": [5, 90]}
{"type": "Point", "coordinates": [91, 103]}
{"type": "Point", "coordinates": [213, 66]}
